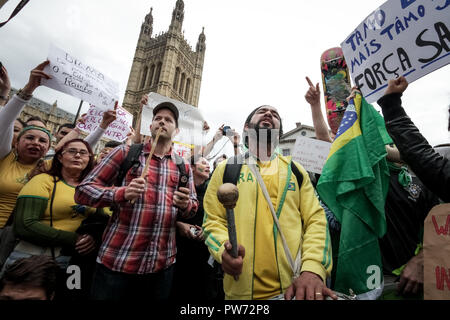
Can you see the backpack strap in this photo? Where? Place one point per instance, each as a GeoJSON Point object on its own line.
{"type": "Point", "coordinates": [297, 174]}
{"type": "Point", "coordinates": [233, 168]}
{"type": "Point", "coordinates": [184, 176]}
{"type": "Point", "coordinates": [132, 160]}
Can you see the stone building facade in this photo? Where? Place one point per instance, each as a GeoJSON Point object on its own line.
{"type": "Point", "coordinates": [165, 64]}
{"type": "Point", "coordinates": [50, 113]}
{"type": "Point", "coordinates": [287, 140]}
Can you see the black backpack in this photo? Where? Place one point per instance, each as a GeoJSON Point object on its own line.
{"type": "Point", "coordinates": [132, 161]}
{"type": "Point", "coordinates": [233, 170]}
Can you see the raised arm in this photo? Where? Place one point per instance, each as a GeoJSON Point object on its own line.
{"type": "Point", "coordinates": [15, 106]}
{"type": "Point", "coordinates": [108, 117]}
{"type": "Point", "coordinates": [217, 136]}
{"type": "Point", "coordinates": [5, 85]}
{"type": "Point", "coordinates": [429, 166]}
{"type": "Point", "coordinates": [137, 136]}
{"type": "Point", "coordinates": [312, 96]}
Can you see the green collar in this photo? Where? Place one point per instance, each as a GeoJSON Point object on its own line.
{"type": "Point", "coordinates": [404, 177]}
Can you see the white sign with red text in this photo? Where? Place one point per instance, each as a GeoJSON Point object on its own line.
{"type": "Point", "coordinates": [117, 130]}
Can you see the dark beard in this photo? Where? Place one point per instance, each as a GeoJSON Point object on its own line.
{"type": "Point", "coordinates": [265, 136]}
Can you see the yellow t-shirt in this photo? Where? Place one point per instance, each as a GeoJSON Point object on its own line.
{"type": "Point", "coordinates": [67, 215]}
{"type": "Point", "coordinates": [266, 281]}
{"type": "Point", "coordinates": [13, 176]}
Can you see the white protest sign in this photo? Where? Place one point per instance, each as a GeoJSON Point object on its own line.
{"type": "Point", "coordinates": [70, 75]}
{"type": "Point", "coordinates": [408, 38]}
{"type": "Point", "coordinates": [311, 153]}
{"type": "Point", "coordinates": [182, 149]}
{"type": "Point", "coordinates": [117, 130]}
{"type": "Point", "coordinates": [190, 121]}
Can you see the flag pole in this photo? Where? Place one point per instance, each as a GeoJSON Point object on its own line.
{"type": "Point", "coordinates": [78, 113]}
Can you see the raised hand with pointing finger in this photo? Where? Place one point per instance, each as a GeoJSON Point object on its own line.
{"type": "Point", "coordinates": [312, 96]}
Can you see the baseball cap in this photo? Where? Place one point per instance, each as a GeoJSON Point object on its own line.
{"type": "Point", "coordinates": [167, 105]}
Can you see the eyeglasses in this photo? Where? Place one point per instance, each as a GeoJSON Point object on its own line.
{"type": "Point", "coordinates": [73, 152]}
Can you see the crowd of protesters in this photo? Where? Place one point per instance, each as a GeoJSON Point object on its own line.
{"type": "Point", "coordinates": [140, 228]}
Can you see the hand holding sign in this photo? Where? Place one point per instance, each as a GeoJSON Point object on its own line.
{"type": "Point", "coordinates": [109, 117]}
{"type": "Point", "coordinates": [116, 123]}
{"type": "Point", "coordinates": [76, 78]}
{"type": "Point", "coordinates": [35, 78]}
{"type": "Point", "coordinates": [398, 85]}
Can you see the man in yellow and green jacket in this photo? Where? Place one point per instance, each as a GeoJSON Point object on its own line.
{"type": "Point", "coordinates": [262, 266]}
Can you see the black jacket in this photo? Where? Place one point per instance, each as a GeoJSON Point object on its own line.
{"type": "Point", "coordinates": [429, 166]}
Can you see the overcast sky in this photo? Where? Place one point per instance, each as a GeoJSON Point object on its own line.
{"type": "Point", "coordinates": [257, 52]}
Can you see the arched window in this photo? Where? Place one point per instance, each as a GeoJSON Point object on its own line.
{"type": "Point", "coordinates": [176, 79]}
{"type": "Point", "coordinates": [183, 79]}
{"type": "Point", "coordinates": [186, 92]}
{"type": "Point", "coordinates": [158, 73]}
{"type": "Point", "coordinates": [144, 77]}
{"type": "Point", "coordinates": [152, 73]}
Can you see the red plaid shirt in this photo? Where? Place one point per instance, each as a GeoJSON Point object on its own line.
{"type": "Point", "coordinates": [140, 237]}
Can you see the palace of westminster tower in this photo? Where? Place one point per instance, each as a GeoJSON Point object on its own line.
{"type": "Point", "coordinates": [165, 64]}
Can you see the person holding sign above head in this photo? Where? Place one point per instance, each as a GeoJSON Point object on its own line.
{"type": "Point", "coordinates": [32, 144]}
{"type": "Point", "coordinates": [153, 186]}
{"type": "Point", "coordinates": [94, 137]}
{"type": "Point", "coordinates": [282, 248]}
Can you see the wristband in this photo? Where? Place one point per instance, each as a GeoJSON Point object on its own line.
{"type": "Point", "coordinates": [23, 95]}
{"type": "Point", "coordinates": [4, 97]}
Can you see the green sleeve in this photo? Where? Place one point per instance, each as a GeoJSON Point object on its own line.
{"type": "Point", "coordinates": [28, 226]}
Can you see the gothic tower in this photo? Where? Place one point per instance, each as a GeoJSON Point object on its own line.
{"type": "Point", "coordinates": [165, 64]}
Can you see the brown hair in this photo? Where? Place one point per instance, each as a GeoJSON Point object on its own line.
{"type": "Point", "coordinates": [56, 168]}
{"type": "Point", "coordinates": [36, 271]}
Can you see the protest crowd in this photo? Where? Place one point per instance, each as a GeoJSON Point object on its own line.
{"type": "Point", "coordinates": [138, 221]}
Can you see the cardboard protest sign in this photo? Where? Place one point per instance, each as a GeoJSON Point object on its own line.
{"type": "Point", "coordinates": [72, 76]}
{"type": "Point", "coordinates": [117, 130]}
{"type": "Point", "coordinates": [190, 122]}
{"type": "Point", "coordinates": [311, 153]}
{"type": "Point", "coordinates": [408, 38]}
{"type": "Point", "coordinates": [436, 246]}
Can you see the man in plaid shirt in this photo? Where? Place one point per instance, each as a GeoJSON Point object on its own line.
{"type": "Point", "coordinates": [136, 257]}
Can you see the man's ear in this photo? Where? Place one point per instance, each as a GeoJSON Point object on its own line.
{"type": "Point", "coordinates": [177, 131]}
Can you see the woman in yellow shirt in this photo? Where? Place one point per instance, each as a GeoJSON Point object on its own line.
{"type": "Point", "coordinates": [47, 217]}
{"type": "Point", "coordinates": [31, 145]}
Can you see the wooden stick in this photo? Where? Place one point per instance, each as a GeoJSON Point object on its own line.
{"type": "Point", "coordinates": [147, 163]}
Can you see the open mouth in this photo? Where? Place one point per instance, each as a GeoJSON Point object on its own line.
{"type": "Point", "coordinates": [34, 150]}
{"type": "Point", "coordinates": [267, 122]}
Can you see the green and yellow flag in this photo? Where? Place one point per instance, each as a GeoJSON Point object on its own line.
{"type": "Point", "coordinates": [354, 184]}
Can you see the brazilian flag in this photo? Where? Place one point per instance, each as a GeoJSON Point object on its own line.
{"type": "Point", "coordinates": [354, 184]}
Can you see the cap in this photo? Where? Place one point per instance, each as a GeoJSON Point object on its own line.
{"type": "Point", "coordinates": [167, 105]}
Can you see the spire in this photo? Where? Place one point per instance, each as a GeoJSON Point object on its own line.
{"type": "Point", "coordinates": [201, 46]}
{"type": "Point", "coordinates": [147, 25]}
{"type": "Point", "coordinates": [177, 16]}
{"type": "Point", "coordinates": [149, 17]}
